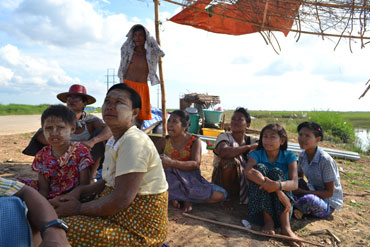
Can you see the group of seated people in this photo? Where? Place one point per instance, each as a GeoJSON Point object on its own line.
{"type": "Point", "coordinates": [128, 206]}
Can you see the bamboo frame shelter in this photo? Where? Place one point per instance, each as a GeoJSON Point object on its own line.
{"type": "Point", "coordinates": [341, 19]}
{"type": "Point", "coordinates": [331, 19]}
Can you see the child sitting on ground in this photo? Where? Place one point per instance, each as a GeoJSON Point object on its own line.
{"type": "Point", "coordinates": [61, 165]}
{"type": "Point", "coordinates": [272, 173]}
{"type": "Point", "coordinates": [323, 192]}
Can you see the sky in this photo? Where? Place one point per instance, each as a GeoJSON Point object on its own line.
{"type": "Point", "coordinates": [48, 45]}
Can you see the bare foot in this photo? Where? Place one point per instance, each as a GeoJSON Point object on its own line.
{"type": "Point", "coordinates": [268, 227]}
{"type": "Point", "coordinates": [297, 214]}
{"type": "Point", "coordinates": [290, 233]}
{"type": "Point", "coordinates": [176, 204]}
{"type": "Point", "coordinates": [187, 207]}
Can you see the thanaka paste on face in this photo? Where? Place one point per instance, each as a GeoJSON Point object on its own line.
{"type": "Point", "coordinates": [54, 122]}
{"type": "Point", "coordinates": [124, 112]}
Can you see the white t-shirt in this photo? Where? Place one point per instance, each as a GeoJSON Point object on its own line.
{"type": "Point", "coordinates": [135, 152]}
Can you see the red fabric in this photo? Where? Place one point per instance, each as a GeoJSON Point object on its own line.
{"type": "Point", "coordinates": [279, 15]}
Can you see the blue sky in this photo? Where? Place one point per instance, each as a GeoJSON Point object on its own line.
{"type": "Point", "coordinates": [46, 45]}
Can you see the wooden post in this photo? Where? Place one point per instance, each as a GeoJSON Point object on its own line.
{"type": "Point", "coordinates": [163, 90]}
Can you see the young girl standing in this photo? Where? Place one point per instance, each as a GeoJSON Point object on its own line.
{"type": "Point", "coordinates": [323, 192]}
{"type": "Point", "coordinates": [61, 165]}
{"type": "Point", "coordinates": [272, 172]}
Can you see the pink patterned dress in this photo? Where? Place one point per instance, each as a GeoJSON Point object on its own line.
{"type": "Point", "coordinates": [62, 173]}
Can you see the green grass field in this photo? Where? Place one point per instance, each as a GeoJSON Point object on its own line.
{"type": "Point", "coordinates": [19, 109]}
{"type": "Point", "coordinates": [338, 126]}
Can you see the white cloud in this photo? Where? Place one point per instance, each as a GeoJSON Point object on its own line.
{"type": "Point", "coordinates": [9, 4]}
{"type": "Point", "coordinates": [29, 80]}
{"type": "Point", "coordinates": [75, 41]}
{"type": "Point", "coordinates": [5, 75]}
{"type": "Point", "coordinates": [304, 76]}
{"type": "Point", "coordinates": [20, 71]}
{"type": "Point", "coordinates": [66, 23]}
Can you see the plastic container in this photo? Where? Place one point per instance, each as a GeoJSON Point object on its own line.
{"type": "Point", "coordinates": [194, 123]}
{"type": "Point", "coordinates": [212, 132]}
{"type": "Point", "coordinates": [212, 117]}
{"type": "Point", "coordinates": [191, 110]}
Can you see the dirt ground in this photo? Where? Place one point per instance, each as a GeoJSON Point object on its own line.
{"type": "Point", "coordinates": [351, 225]}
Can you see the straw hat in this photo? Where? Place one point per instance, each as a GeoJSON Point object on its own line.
{"type": "Point", "coordinates": [76, 89]}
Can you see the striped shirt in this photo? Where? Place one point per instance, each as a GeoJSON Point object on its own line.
{"type": "Point", "coordinates": [9, 187]}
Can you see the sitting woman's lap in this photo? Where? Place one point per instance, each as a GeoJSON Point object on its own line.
{"type": "Point", "coordinates": [143, 223]}
{"type": "Point", "coordinates": [313, 205]}
{"type": "Point", "coordinates": [14, 227]}
{"type": "Point", "coordinates": [260, 200]}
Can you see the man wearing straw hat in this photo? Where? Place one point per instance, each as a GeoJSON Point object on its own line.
{"type": "Point", "coordinates": [91, 131]}
{"type": "Point", "coordinates": [139, 58]}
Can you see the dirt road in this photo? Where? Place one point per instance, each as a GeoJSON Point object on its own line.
{"type": "Point", "coordinates": [10, 125]}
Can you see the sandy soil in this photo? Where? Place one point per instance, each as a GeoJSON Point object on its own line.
{"type": "Point", "coordinates": [351, 224]}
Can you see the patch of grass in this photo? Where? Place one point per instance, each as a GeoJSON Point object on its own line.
{"type": "Point", "coordinates": [355, 205]}
{"type": "Point", "coordinates": [354, 164]}
{"type": "Point", "coordinates": [356, 176]}
{"type": "Point", "coordinates": [335, 126]}
{"type": "Point", "coordinates": [338, 126]}
{"type": "Point", "coordinates": [351, 223]}
{"type": "Point", "coordinates": [19, 109]}
{"type": "Point", "coordinates": [303, 230]}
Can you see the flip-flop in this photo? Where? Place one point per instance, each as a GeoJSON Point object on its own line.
{"type": "Point", "coordinates": [246, 224]}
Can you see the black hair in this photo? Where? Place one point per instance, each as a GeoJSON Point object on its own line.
{"type": "Point", "coordinates": [184, 117]}
{"type": "Point", "coordinates": [314, 127]}
{"type": "Point", "coordinates": [279, 130]}
{"type": "Point", "coordinates": [245, 113]}
{"type": "Point", "coordinates": [60, 111]}
{"type": "Point", "coordinates": [134, 96]}
{"type": "Point", "coordinates": [139, 27]}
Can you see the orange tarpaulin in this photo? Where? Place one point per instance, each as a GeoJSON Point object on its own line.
{"type": "Point", "coordinates": [276, 14]}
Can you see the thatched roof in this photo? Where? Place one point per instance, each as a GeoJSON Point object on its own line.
{"type": "Point", "coordinates": [340, 19]}
{"type": "Point", "coordinates": [201, 99]}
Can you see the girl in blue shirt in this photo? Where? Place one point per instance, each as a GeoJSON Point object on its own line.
{"type": "Point", "coordinates": [272, 172]}
{"type": "Point", "coordinates": [323, 192]}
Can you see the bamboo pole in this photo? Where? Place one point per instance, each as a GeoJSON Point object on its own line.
{"type": "Point", "coordinates": [250, 231]}
{"type": "Point", "coordinates": [163, 90]}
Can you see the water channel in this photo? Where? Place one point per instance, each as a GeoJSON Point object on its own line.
{"type": "Point", "coordinates": [363, 138]}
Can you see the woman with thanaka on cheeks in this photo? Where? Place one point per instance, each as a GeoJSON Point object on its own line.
{"type": "Point", "coordinates": [231, 156]}
{"type": "Point", "coordinates": [272, 172]}
{"type": "Point", "coordinates": [61, 165]}
{"type": "Point", "coordinates": [323, 192]}
{"type": "Point", "coordinates": [132, 196]}
{"type": "Point", "coordinates": [181, 157]}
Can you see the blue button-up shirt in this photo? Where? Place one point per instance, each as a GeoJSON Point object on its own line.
{"type": "Point", "coordinates": [322, 169]}
{"type": "Point", "coordinates": [283, 161]}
